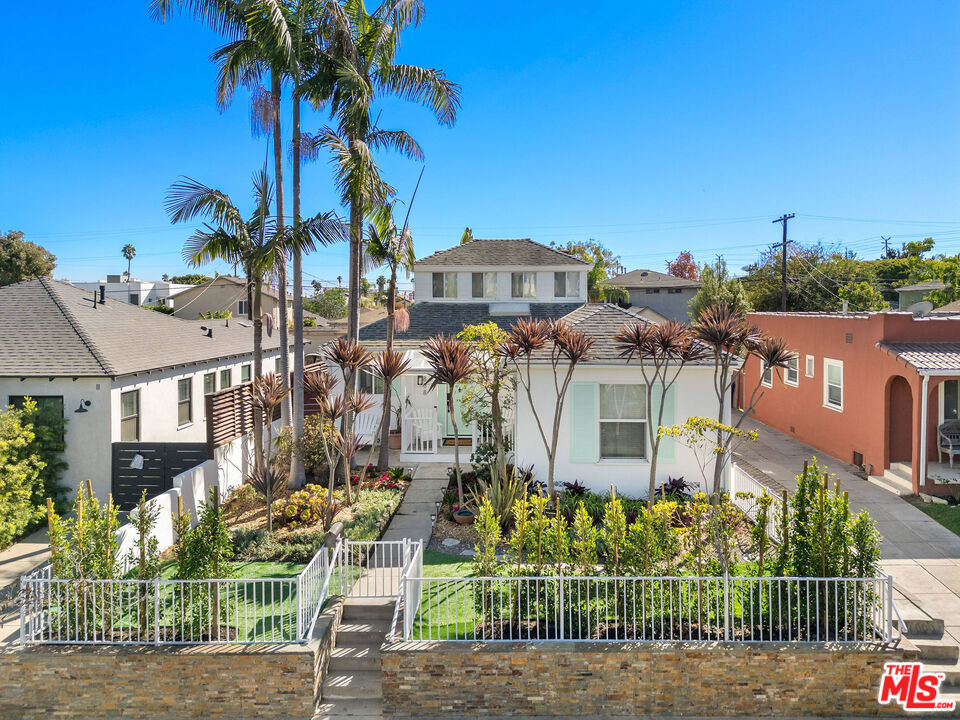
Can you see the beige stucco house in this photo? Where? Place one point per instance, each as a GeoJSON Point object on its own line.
{"type": "Point", "coordinates": [229, 293]}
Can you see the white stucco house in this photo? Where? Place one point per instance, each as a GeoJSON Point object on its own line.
{"type": "Point", "coordinates": [136, 291]}
{"type": "Point", "coordinates": [602, 439]}
{"type": "Point", "coordinates": [129, 380]}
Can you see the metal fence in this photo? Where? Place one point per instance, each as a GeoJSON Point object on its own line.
{"type": "Point", "coordinates": [736, 609]}
{"type": "Point", "coordinates": [371, 568]}
{"type": "Point", "coordinates": [173, 612]}
{"type": "Point", "coordinates": [742, 482]}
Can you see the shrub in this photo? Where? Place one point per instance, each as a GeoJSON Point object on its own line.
{"type": "Point", "coordinates": [501, 493]}
{"type": "Point", "coordinates": [306, 507]}
{"type": "Point", "coordinates": [84, 546]}
{"type": "Point", "coordinates": [159, 308]}
{"type": "Point", "coordinates": [309, 322]}
{"type": "Point", "coordinates": [371, 511]}
{"type": "Point", "coordinates": [575, 488]}
{"type": "Point", "coordinates": [20, 476]}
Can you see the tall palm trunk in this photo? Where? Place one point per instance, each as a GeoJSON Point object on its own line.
{"type": "Point", "coordinates": [275, 92]}
{"type": "Point", "coordinates": [384, 460]}
{"type": "Point", "coordinates": [258, 367]}
{"type": "Point", "coordinates": [297, 473]}
{"type": "Point", "coordinates": [353, 284]}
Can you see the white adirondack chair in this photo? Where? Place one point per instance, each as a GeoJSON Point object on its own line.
{"type": "Point", "coordinates": [421, 431]}
{"type": "Point", "coordinates": [366, 428]}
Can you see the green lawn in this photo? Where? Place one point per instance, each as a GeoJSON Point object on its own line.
{"type": "Point", "coordinates": [946, 515]}
{"type": "Point", "coordinates": [442, 610]}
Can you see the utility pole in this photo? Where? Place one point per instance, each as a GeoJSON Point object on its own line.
{"type": "Point", "coordinates": [886, 246]}
{"type": "Point", "coordinates": [783, 264]}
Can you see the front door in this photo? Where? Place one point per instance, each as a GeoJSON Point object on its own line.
{"type": "Point", "coordinates": [464, 428]}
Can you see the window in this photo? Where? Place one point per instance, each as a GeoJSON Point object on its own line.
{"type": "Point", "coordinates": [225, 379]}
{"type": "Point", "coordinates": [623, 422]}
{"type": "Point", "coordinates": [484, 284]}
{"type": "Point", "coordinates": [245, 373]}
{"type": "Point", "coordinates": [674, 291]}
{"type": "Point", "coordinates": [792, 375]}
{"type": "Point", "coordinates": [767, 380]}
{"type": "Point", "coordinates": [523, 284]}
{"type": "Point", "coordinates": [370, 383]}
{"type": "Point", "coordinates": [184, 401]}
{"type": "Point", "coordinates": [130, 416]}
{"type": "Point", "coordinates": [444, 285]}
{"type": "Point", "coordinates": [833, 384]}
{"type": "Point", "coordinates": [810, 366]}
{"type": "Point", "coordinates": [652, 291]}
{"type": "Point", "coordinates": [243, 309]}
{"type": "Point", "coordinates": [49, 407]}
{"type": "Point", "coordinates": [134, 299]}
{"type": "Point", "coordinates": [566, 284]}
{"type": "Point", "coordinates": [209, 383]}
{"type": "Point", "coordinates": [276, 366]}
{"type": "Point", "coordinates": [951, 399]}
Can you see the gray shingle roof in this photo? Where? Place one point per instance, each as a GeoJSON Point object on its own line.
{"type": "Point", "coordinates": [652, 279]}
{"type": "Point", "coordinates": [927, 356]}
{"type": "Point", "coordinates": [500, 253]}
{"type": "Point", "coordinates": [948, 309]}
{"type": "Point", "coordinates": [50, 328]}
{"type": "Point", "coordinates": [432, 318]}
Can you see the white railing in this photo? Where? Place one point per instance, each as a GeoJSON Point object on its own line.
{"type": "Point", "coordinates": [483, 432]}
{"type": "Point", "coordinates": [174, 612]}
{"type": "Point", "coordinates": [732, 609]}
{"type": "Point", "coordinates": [409, 604]}
{"type": "Point", "coordinates": [420, 432]}
{"type": "Point", "coordinates": [742, 482]}
{"type": "Point", "coordinates": [370, 568]}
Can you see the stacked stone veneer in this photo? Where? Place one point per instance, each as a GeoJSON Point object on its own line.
{"type": "Point", "coordinates": [213, 681]}
{"type": "Point", "coordinates": [639, 679]}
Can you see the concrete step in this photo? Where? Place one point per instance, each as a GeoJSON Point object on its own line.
{"type": "Point", "coordinates": [368, 609]}
{"type": "Point", "coordinates": [951, 672]}
{"type": "Point", "coordinates": [918, 623]}
{"type": "Point", "coordinates": [357, 709]}
{"type": "Point", "coordinates": [937, 649]}
{"type": "Point", "coordinates": [353, 685]}
{"type": "Point", "coordinates": [894, 485]}
{"type": "Point", "coordinates": [355, 657]}
{"type": "Point", "coordinates": [373, 632]}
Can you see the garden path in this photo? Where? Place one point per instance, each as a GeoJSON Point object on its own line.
{"type": "Point", "coordinates": [18, 559]}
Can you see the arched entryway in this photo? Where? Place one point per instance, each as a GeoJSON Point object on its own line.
{"type": "Point", "coordinates": [900, 420]}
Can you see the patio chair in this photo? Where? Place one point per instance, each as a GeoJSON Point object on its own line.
{"type": "Point", "coordinates": [948, 441]}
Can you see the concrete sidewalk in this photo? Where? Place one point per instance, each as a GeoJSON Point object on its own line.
{"type": "Point", "coordinates": [412, 519]}
{"type": "Point", "coordinates": [17, 560]}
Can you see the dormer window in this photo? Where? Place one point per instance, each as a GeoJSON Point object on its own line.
{"type": "Point", "coordinates": [523, 284]}
{"type": "Point", "coordinates": [566, 284]}
{"type": "Point", "coordinates": [444, 285]}
{"type": "Point", "coordinates": [484, 284]}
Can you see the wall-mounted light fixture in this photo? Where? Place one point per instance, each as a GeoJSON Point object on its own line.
{"type": "Point", "coordinates": [421, 379]}
{"type": "Point", "coordinates": [84, 404]}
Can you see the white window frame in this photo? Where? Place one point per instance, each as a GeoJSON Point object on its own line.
{"type": "Point", "coordinates": [567, 276]}
{"type": "Point", "coordinates": [228, 374]}
{"type": "Point", "coordinates": [186, 382]}
{"type": "Point", "coordinates": [765, 379]}
{"type": "Point", "coordinates": [943, 398]}
{"type": "Point", "coordinates": [828, 363]}
{"type": "Point", "coordinates": [643, 422]}
{"type": "Point", "coordinates": [488, 285]}
{"type": "Point", "coordinates": [135, 416]}
{"type": "Point", "coordinates": [246, 372]}
{"type": "Point", "coordinates": [811, 364]}
{"type": "Point", "coordinates": [368, 382]}
{"type": "Point", "coordinates": [795, 370]}
{"type": "Point", "coordinates": [449, 284]}
{"type": "Point", "coordinates": [276, 366]}
{"type": "Point", "coordinates": [523, 284]}
{"type": "Point", "coordinates": [242, 309]}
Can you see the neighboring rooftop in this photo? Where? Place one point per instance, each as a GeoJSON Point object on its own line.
{"type": "Point", "coordinates": [652, 279]}
{"type": "Point", "coordinates": [50, 328]}
{"type": "Point", "coordinates": [927, 285]}
{"type": "Point", "coordinates": [926, 356]}
{"type": "Point", "coordinates": [242, 282]}
{"type": "Point", "coordinates": [521, 252]}
{"type": "Point", "coordinates": [948, 309]}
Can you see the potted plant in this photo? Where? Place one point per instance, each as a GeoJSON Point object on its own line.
{"type": "Point", "coordinates": [394, 439]}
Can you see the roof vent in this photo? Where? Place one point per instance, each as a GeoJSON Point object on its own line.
{"type": "Point", "coordinates": [207, 332]}
{"type": "Point", "coordinates": [643, 273]}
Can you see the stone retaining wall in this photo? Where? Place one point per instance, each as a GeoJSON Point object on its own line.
{"type": "Point", "coordinates": [150, 683]}
{"type": "Point", "coordinates": [640, 679]}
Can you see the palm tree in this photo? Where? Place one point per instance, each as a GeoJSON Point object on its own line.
{"type": "Point", "coordinates": [129, 251]}
{"type": "Point", "coordinates": [450, 363]}
{"type": "Point", "coordinates": [356, 66]}
{"type": "Point", "coordinates": [394, 248]}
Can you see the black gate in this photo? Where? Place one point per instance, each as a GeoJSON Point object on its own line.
{"type": "Point", "coordinates": [161, 462]}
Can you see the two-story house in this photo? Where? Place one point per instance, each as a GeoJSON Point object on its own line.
{"type": "Point", "coordinates": [668, 295]}
{"type": "Point", "coordinates": [603, 428]}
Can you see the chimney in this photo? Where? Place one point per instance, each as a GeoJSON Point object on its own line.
{"type": "Point", "coordinates": [103, 294]}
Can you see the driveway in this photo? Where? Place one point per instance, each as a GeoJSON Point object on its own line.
{"type": "Point", "coordinates": [921, 554]}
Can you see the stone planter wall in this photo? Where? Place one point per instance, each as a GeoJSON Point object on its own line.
{"type": "Point", "coordinates": [640, 679]}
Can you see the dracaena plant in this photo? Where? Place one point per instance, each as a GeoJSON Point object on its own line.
{"type": "Point", "coordinates": [388, 366]}
{"type": "Point", "coordinates": [266, 394]}
{"type": "Point", "coordinates": [561, 346]}
{"type": "Point", "coordinates": [732, 341]}
{"type": "Point", "coordinates": [351, 358]}
{"type": "Point", "coordinates": [662, 351]}
{"type": "Point", "coordinates": [450, 363]}
{"type": "Point", "coordinates": [321, 385]}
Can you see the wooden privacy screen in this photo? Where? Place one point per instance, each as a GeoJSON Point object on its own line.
{"type": "Point", "coordinates": [229, 412]}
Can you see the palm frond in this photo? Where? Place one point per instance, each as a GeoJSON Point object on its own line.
{"type": "Point", "coordinates": [426, 86]}
{"type": "Point", "coordinates": [399, 140]}
{"type": "Point", "coordinates": [187, 199]}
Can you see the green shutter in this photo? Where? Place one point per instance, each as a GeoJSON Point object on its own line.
{"type": "Point", "coordinates": [667, 452]}
{"type": "Point", "coordinates": [583, 422]}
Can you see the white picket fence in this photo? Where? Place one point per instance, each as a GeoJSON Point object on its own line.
{"type": "Point", "coordinates": [742, 482]}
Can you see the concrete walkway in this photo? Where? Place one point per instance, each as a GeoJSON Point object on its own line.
{"type": "Point", "coordinates": [18, 559]}
{"type": "Point", "coordinates": [921, 554]}
{"type": "Point", "coordinates": [412, 519]}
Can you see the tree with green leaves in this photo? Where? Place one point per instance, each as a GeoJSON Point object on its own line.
{"type": "Point", "coordinates": [22, 260]}
{"type": "Point", "coordinates": [191, 279]}
{"type": "Point", "coordinates": [718, 288]}
{"type": "Point", "coordinates": [467, 236]}
{"type": "Point", "coordinates": [605, 264]}
{"type": "Point", "coordinates": [20, 469]}
{"type": "Point", "coordinates": [330, 303]}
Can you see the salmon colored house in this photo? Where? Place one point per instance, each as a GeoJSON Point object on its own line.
{"type": "Point", "coordinates": [877, 390]}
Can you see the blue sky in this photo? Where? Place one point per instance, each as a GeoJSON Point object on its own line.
{"type": "Point", "coordinates": [653, 127]}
